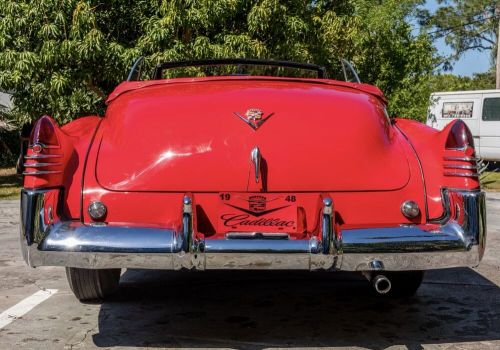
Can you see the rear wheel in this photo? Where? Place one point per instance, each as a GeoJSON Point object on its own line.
{"type": "Point", "coordinates": [92, 285]}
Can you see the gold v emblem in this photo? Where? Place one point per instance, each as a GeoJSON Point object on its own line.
{"type": "Point", "coordinates": [254, 117]}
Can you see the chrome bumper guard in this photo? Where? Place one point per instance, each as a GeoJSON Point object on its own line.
{"type": "Point", "coordinates": [458, 240]}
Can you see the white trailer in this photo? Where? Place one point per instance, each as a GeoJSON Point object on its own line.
{"type": "Point", "coordinates": [479, 109]}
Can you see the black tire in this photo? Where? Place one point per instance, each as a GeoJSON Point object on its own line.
{"type": "Point", "coordinates": [92, 285]}
{"type": "Point", "coordinates": [405, 283]}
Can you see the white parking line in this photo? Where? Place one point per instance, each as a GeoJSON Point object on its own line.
{"type": "Point", "coordinates": [24, 306]}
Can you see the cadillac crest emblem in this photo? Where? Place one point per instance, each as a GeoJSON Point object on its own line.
{"type": "Point", "coordinates": [253, 117]}
{"type": "Point", "coordinates": [257, 203]}
{"type": "Point", "coordinates": [254, 114]}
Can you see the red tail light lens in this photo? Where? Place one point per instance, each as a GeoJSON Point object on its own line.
{"type": "Point", "coordinates": [44, 158]}
{"type": "Point", "coordinates": [44, 135]}
{"type": "Point", "coordinates": [460, 137]}
{"type": "Point", "coordinates": [459, 156]}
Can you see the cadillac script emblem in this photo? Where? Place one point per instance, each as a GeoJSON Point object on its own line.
{"type": "Point", "coordinates": [257, 213]}
{"type": "Point", "coordinates": [254, 117]}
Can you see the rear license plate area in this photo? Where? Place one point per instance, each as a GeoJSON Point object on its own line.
{"type": "Point", "coordinates": [257, 212]}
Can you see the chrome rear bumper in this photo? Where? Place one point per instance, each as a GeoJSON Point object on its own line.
{"type": "Point", "coordinates": [459, 240]}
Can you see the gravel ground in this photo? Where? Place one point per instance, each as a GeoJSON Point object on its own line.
{"type": "Point", "coordinates": [454, 309]}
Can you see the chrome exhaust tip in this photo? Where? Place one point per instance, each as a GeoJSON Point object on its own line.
{"type": "Point", "coordinates": [381, 284]}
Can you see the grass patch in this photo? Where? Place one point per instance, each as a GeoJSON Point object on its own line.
{"type": "Point", "coordinates": [10, 183]}
{"type": "Point", "coordinates": [490, 180]}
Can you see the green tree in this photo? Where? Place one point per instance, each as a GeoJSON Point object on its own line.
{"type": "Point", "coordinates": [449, 82]}
{"type": "Point", "coordinates": [61, 57]}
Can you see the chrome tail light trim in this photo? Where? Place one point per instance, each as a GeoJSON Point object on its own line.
{"type": "Point", "coordinates": [42, 156]}
{"type": "Point", "coordinates": [460, 166]}
{"type": "Point", "coordinates": [42, 172]}
{"type": "Point", "coordinates": [462, 159]}
{"type": "Point", "coordinates": [40, 165]}
{"type": "Point", "coordinates": [449, 173]}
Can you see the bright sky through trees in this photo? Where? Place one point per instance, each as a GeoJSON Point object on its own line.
{"type": "Point", "coordinates": [471, 62]}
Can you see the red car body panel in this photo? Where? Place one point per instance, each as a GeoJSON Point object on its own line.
{"type": "Point", "coordinates": [67, 161]}
{"type": "Point", "coordinates": [431, 150]}
{"type": "Point", "coordinates": [136, 85]}
{"type": "Point", "coordinates": [160, 140]}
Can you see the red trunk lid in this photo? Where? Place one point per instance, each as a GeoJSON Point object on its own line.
{"type": "Point", "coordinates": [186, 136]}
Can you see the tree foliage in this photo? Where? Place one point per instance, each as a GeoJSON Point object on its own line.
{"type": "Point", "coordinates": [449, 82]}
{"type": "Point", "coordinates": [61, 57]}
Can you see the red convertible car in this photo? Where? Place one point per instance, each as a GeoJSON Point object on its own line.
{"type": "Point", "coordinates": [239, 171]}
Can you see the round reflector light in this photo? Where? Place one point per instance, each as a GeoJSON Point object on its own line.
{"type": "Point", "coordinates": [97, 210]}
{"type": "Point", "coordinates": [410, 209]}
{"type": "Point", "coordinates": [37, 148]}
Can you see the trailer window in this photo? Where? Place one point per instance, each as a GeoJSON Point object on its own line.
{"type": "Point", "coordinates": [491, 109]}
{"type": "Point", "coordinates": [452, 110]}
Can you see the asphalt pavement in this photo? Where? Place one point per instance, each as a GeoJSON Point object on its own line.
{"type": "Point", "coordinates": [454, 308]}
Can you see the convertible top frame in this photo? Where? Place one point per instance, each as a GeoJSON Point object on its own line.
{"type": "Point", "coordinates": [136, 69]}
{"type": "Point", "coordinates": [321, 71]}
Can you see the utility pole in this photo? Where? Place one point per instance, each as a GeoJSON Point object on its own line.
{"type": "Point", "coordinates": [497, 15]}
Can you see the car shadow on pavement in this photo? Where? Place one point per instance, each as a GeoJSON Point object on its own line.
{"type": "Point", "coordinates": [254, 310]}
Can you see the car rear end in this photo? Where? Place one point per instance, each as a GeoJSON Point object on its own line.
{"type": "Point", "coordinates": [248, 173]}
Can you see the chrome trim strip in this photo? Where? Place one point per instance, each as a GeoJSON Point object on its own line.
{"type": "Point", "coordinates": [347, 64]}
{"type": "Point", "coordinates": [42, 156]}
{"type": "Point", "coordinates": [75, 237]}
{"type": "Point", "coordinates": [462, 159]}
{"type": "Point", "coordinates": [458, 166]}
{"type": "Point", "coordinates": [328, 250]}
{"type": "Point", "coordinates": [448, 173]}
{"type": "Point", "coordinates": [42, 172]}
{"type": "Point", "coordinates": [409, 261]}
{"type": "Point", "coordinates": [327, 236]}
{"type": "Point", "coordinates": [187, 223]}
{"type": "Point", "coordinates": [256, 158]}
{"type": "Point", "coordinates": [257, 235]}
{"type": "Point", "coordinates": [44, 146]}
{"type": "Point", "coordinates": [460, 241]}
{"type": "Point", "coordinates": [40, 165]}
{"type": "Point", "coordinates": [397, 239]}
{"type": "Point", "coordinates": [188, 252]}
{"type": "Point", "coordinates": [259, 246]}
